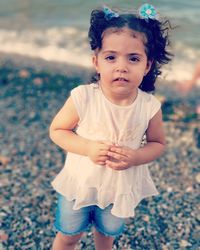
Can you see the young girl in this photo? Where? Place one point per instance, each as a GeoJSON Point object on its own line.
{"type": "Point", "coordinates": [102, 125]}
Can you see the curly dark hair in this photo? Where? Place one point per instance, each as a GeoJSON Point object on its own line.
{"type": "Point", "coordinates": [157, 40]}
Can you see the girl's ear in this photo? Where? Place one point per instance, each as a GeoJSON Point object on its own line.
{"type": "Point", "coordinates": [95, 61]}
{"type": "Point", "coordinates": [148, 67]}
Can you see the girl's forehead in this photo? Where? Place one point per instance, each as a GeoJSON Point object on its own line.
{"type": "Point", "coordinates": [123, 41]}
{"type": "Point", "coordinates": [130, 32]}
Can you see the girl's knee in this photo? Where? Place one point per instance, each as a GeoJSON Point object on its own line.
{"type": "Point", "coordinates": [103, 237]}
{"type": "Point", "coordinates": [69, 240]}
{"type": "Point", "coordinates": [102, 241]}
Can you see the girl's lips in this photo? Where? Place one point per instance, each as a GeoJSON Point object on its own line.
{"type": "Point", "coordinates": [120, 79]}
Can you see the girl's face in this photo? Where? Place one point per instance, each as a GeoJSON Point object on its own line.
{"type": "Point", "coordinates": [122, 63]}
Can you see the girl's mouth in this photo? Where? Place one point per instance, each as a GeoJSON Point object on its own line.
{"type": "Point", "coordinates": [120, 79]}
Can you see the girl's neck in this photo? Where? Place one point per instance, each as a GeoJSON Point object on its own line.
{"type": "Point", "coordinates": [120, 99]}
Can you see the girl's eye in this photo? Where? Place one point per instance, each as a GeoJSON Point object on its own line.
{"type": "Point", "coordinates": [134, 59]}
{"type": "Point", "coordinates": [110, 58]}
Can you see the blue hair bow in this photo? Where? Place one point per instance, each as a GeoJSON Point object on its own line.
{"type": "Point", "coordinates": [109, 14]}
{"type": "Point", "coordinates": [147, 11]}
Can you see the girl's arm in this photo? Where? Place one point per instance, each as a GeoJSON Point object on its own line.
{"type": "Point", "coordinates": [155, 141]}
{"type": "Point", "coordinates": [61, 133]}
{"type": "Point", "coordinates": [125, 157]}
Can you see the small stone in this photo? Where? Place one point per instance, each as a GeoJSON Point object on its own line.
{"type": "Point", "coordinates": [32, 114]}
{"type": "Point", "coordinates": [3, 236]}
{"type": "Point", "coordinates": [4, 160]}
{"type": "Point", "coordinates": [169, 189]}
{"type": "Point", "coordinates": [4, 182]}
{"type": "Point", "coordinates": [164, 247]}
{"type": "Point", "coordinates": [198, 110]}
{"type": "Point", "coordinates": [198, 178]}
{"type": "Point", "coordinates": [37, 81]}
{"type": "Point", "coordinates": [146, 218]}
{"type": "Point", "coordinates": [184, 243]}
{"type": "Point", "coordinates": [24, 73]}
{"type": "Point", "coordinates": [10, 77]}
{"type": "Point", "coordinates": [189, 189]}
{"type": "Point", "coordinates": [28, 220]}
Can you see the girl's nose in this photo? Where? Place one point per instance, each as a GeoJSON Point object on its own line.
{"type": "Point", "coordinates": [121, 66]}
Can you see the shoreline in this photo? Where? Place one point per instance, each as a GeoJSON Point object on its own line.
{"type": "Point", "coordinates": [39, 64]}
{"type": "Point", "coordinates": [41, 72]}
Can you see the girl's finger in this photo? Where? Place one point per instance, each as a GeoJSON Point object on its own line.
{"type": "Point", "coordinates": [101, 163]}
{"type": "Point", "coordinates": [115, 165]}
{"type": "Point", "coordinates": [103, 152]}
{"type": "Point", "coordinates": [103, 158]}
{"type": "Point", "coordinates": [119, 150]}
{"type": "Point", "coordinates": [116, 156]}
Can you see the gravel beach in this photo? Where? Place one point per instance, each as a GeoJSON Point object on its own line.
{"type": "Point", "coordinates": [29, 99]}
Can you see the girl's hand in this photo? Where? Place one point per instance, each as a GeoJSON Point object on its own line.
{"type": "Point", "coordinates": [97, 151]}
{"type": "Point", "coordinates": [121, 158]}
{"type": "Point", "coordinates": [124, 157]}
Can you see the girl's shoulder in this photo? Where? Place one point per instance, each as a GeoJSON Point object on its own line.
{"type": "Point", "coordinates": [149, 103]}
{"type": "Point", "coordinates": [85, 88]}
{"type": "Point", "coordinates": [147, 97]}
{"type": "Point", "coordinates": [84, 92]}
{"type": "Point", "coordinates": [82, 97]}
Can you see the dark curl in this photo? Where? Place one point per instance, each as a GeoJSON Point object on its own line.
{"type": "Point", "coordinates": [157, 40]}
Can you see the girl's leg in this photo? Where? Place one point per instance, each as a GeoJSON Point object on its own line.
{"type": "Point", "coordinates": [107, 227]}
{"type": "Point", "coordinates": [65, 242]}
{"type": "Point", "coordinates": [102, 242]}
{"type": "Point", "coordinates": [69, 223]}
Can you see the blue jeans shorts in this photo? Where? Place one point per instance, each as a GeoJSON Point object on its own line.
{"type": "Point", "coordinates": [72, 222]}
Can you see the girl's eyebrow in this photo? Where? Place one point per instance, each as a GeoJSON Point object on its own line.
{"type": "Point", "coordinates": [109, 51]}
{"type": "Point", "coordinates": [136, 54]}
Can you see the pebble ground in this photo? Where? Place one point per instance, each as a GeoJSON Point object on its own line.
{"type": "Point", "coordinates": [29, 161]}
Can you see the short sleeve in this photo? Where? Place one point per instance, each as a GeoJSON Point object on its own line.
{"type": "Point", "coordinates": [155, 106]}
{"type": "Point", "coordinates": [79, 97]}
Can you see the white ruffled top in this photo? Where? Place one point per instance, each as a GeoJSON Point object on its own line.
{"type": "Point", "coordinates": [87, 183]}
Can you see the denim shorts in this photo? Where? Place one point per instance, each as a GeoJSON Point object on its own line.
{"type": "Point", "coordinates": [72, 222]}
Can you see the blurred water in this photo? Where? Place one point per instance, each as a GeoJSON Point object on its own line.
{"type": "Point", "coordinates": [57, 30]}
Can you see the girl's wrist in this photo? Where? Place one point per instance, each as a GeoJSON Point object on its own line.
{"type": "Point", "coordinates": [87, 147]}
{"type": "Point", "coordinates": [136, 157]}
